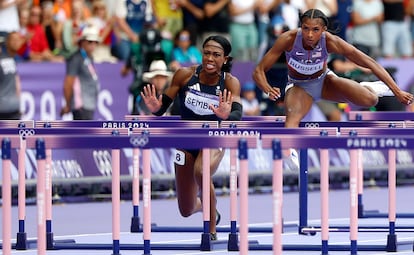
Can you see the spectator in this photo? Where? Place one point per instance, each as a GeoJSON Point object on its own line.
{"type": "Point", "coordinates": [263, 23]}
{"type": "Point", "coordinates": [81, 83]}
{"type": "Point", "coordinates": [169, 17]}
{"type": "Point", "coordinates": [410, 13]}
{"type": "Point", "coordinates": [130, 22]}
{"type": "Point", "coordinates": [216, 20]}
{"type": "Point", "coordinates": [243, 29]}
{"type": "Point", "coordinates": [159, 77]}
{"type": "Point", "coordinates": [284, 17]}
{"type": "Point", "coordinates": [61, 10]}
{"type": "Point", "coordinates": [38, 46]}
{"type": "Point", "coordinates": [9, 79]}
{"type": "Point", "coordinates": [151, 47]}
{"type": "Point", "coordinates": [9, 16]}
{"type": "Point", "coordinates": [396, 37]}
{"type": "Point", "coordinates": [184, 52]}
{"type": "Point", "coordinates": [72, 28]}
{"type": "Point", "coordinates": [342, 19]}
{"type": "Point", "coordinates": [367, 16]}
{"type": "Point", "coordinates": [328, 7]}
{"type": "Point", "coordinates": [105, 24]}
{"type": "Point", "coordinates": [25, 36]}
{"type": "Point", "coordinates": [193, 14]}
{"type": "Point", "coordinates": [249, 100]}
{"type": "Point", "coordinates": [52, 27]}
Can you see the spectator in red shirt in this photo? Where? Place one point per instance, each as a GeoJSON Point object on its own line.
{"type": "Point", "coordinates": [38, 45]}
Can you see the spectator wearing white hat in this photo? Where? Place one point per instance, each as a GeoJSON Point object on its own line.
{"type": "Point", "coordinates": [159, 76]}
{"type": "Point", "coordinates": [81, 83]}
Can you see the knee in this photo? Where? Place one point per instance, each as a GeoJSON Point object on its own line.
{"type": "Point", "coordinates": [186, 211]}
{"type": "Point", "coordinates": [370, 100]}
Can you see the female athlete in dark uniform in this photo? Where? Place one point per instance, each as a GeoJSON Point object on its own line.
{"type": "Point", "coordinates": [206, 92]}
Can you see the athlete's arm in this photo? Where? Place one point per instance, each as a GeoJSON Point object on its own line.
{"type": "Point", "coordinates": [337, 45]}
{"type": "Point", "coordinates": [283, 43]}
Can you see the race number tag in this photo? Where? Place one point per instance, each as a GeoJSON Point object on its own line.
{"type": "Point", "coordinates": [179, 158]}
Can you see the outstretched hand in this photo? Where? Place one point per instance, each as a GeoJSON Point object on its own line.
{"type": "Point", "coordinates": [224, 108]}
{"type": "Point", "coordinates": [149, 95]}
{"type": "Point", "coordinates": [405, 98]}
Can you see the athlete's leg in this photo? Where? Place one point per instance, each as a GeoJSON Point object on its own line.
{"type": "Point", "coordinates": [297, 104]}
{"type": "Point", "coordinates": [348, 91]}
{"type": "Point", "coordinates": [186, 185]}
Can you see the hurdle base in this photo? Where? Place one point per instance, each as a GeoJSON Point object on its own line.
{"type": "Point", "coordinates": [391, 243]}
{"type": "Point", "coordinates": [21, 241]}
{"type": "Point", "coordinates": [233, 242]}
{"type": "Point", "coordinates": [136, 227]}
{"type": "Point", "coordinates": [32, 244]}
{"type": "Point", "coordinates": [49, 241]}
{"type": "Point", "coordinates": [208, 245]}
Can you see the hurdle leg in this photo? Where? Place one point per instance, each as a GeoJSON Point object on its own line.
{"type": "Point", "coordinates": [392, 186]}
{"type": "Point", "coordinates": [353, 188]}
{"type": "Point", "coordinates": [205, 236]}
{"type": "Point", "coordinates": [277, 186]}
{"type": "Point", "coordinates": [146, 195]}
{"type": "Point", "coordinates": [135, 221]}
{"type": "Point", "coordinates": [21, 237]}
{"type": "Point", "coordinates": [233, 241]}
{"type": "Point", "coordinates": [303, 190]}
{"type": "Point", "coordinates": [116, 201]}
{"type": "Point", "coordinates": [6, 195]}
{"type": "Point", "coordinates": [324, 158]}
{"type": "Point", "coordinates": [40, 196]}
{"type": "Point", "coordinates": [48, 199]}
{"type": "Point", "coordinates": [360, 184]}
{"type": "Point", "coordinates": [244, 197]}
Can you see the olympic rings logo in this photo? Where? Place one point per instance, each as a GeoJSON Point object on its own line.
{"type": "Point", "coordinates": [311, 125]}
{"type": "Point", "coordinates": [139, 141]}
{"type": "Point", "coordinates": [23, 133]}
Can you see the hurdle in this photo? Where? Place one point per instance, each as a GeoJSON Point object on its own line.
{"type": "Point", "coordinates": [303, 155]}
{"type": "Point", "coordinates": [23, 132]}
{"type": "Point", "coordinates": [391, 185]}
{"type": "Point", "coordinates": [143, 123]}
{"type": "Point", "coordinates": [352, 143]}
{"type": "Point", "coordinates": [144, 142]}
{"type": "Point", "coordinates": [21, 235]}
{"type": "Point", "coordinates": [222, 132]}
{"type": "Point", "coordinates": [381, 115]}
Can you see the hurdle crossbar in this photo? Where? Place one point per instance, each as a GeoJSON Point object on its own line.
{"type": "Point", "coordinates": [381, 115]}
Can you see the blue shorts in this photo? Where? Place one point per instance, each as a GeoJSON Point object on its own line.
{"type": "Point", "coordinates": [313, 86]}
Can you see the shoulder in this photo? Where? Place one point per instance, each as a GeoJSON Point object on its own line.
{"type": "Point", "coordinates": [290, 34]}
{"type": "Point", "coordinates": [286, 40]}
{"type": "Point", "coordinates": [232, 83]}
{"type": "Point", "coordinates": [184, 74]}
{"type": "Point", "coordinates": [334, 43]}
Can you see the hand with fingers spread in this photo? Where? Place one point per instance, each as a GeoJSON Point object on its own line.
{"type": "Point", "coordinates": [151, 100]}
{"type": "Point", "coordinates": [224, 108]}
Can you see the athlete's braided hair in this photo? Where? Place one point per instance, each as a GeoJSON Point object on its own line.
{"type": "Point", "coordinates": [314, 14]}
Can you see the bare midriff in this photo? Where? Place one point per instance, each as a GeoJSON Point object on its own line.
{"type": "Point", "coordinates": [298, 76]}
